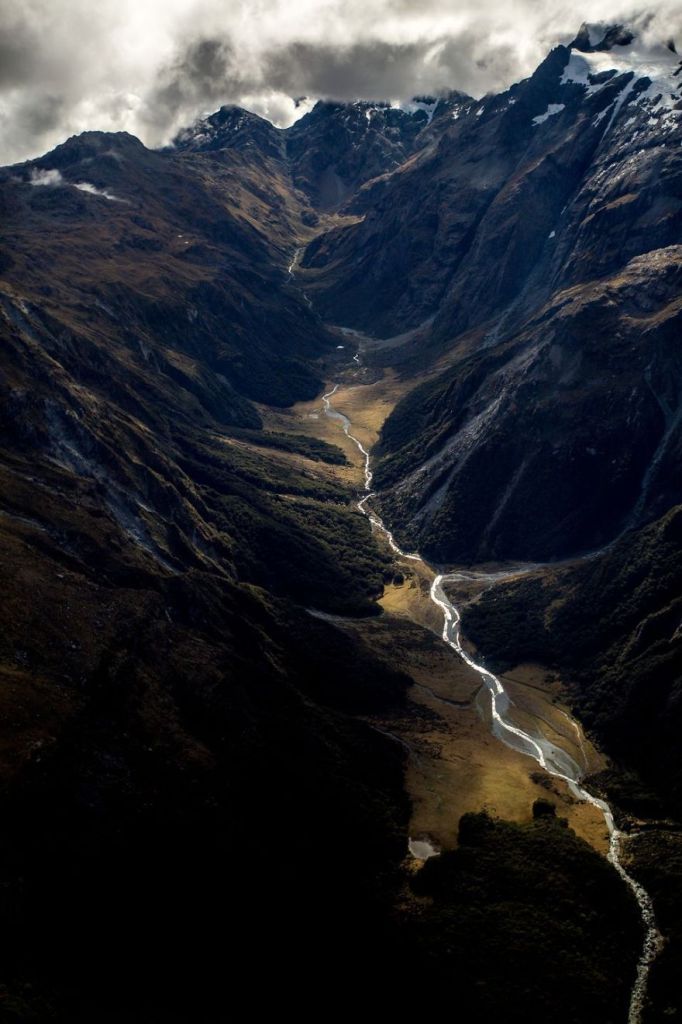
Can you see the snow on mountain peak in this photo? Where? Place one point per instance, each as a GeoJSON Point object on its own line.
{"type": "Point", "coordinates": [622, 53]}
{"type": "Point", "coordinates": [425, 103]}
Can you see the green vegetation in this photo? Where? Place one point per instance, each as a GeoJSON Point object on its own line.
{"type": "Point", "coordinates": [524, 922]}
{"type": "Point", "coordinates": [311, 447]}
{"type": "Point", "coordinates": [290, 532]}
{"type": "Point", "coordinates": [187, 817]}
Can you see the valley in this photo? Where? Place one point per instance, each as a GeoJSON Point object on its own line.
{"type": "Point", "coordinates": [244, 737]}
{"type": "Point", "coordinates": [550, 737]}
{"type": "Point", "coordinates": [455, 765]}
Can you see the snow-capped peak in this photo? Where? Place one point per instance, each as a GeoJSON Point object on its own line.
{"type": "Point", "coordinates": [654, 70]}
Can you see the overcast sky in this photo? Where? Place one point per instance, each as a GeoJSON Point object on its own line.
{"type": "Point", "coordinates": [152, 66]}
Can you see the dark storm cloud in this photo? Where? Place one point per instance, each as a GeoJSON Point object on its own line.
{"type": "Point", "coordinates": [202, 75]}
{"type": "Point", "coordinates": [210, 73]}
{"type": "Point", "coordinates": [381, 70]}
{"type": "Point", "coordinates": [16, 63]}
{"type": "Point", "coordinates": [372, 70]}
{"type": "Point", "coordinates": [152, 66]}
{"type": "Point", "coordinates": [207, 74]}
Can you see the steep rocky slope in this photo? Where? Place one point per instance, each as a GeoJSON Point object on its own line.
{"type": "Point", "coordinates": [332, 151]}
{"type": "Point", "coordinates": [187, 255]}
{"type": "Point", "coordinates": [553, 440]}
{"type": "Point", "coordinates": [568, 174]}
{"type": "Point", "coordinates": [183, 745]}
{"type": "Point", "coordinates": [536, 240]}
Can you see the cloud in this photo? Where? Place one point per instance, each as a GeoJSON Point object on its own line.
{"type": "Point", "coordinates": [154, 66]}
{"type": "Point", "coordinates": [86, 186]}
{"type": "Point", "coordinates": [51, 178]}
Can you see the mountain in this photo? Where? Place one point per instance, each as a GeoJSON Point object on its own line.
{"type": "Point", "coordinates": [200, 787]}
{"type": "Point", "coordinates": [164, 682]}
{"type": "Point", "coordinates": [338, 148]}
{"type": "Point", "coordinates": [537, 243]}
{"type": "Point", "coordinates": [332, 151]}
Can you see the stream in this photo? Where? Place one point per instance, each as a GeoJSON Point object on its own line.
{"type": "Point", "coordinates": [555, 761]}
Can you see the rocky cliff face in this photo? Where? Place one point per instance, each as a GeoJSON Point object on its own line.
{"type": "Point", "coordinates": [338, 148]}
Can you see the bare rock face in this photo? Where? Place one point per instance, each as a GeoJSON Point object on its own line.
{"type": "Point", "coordinates": [227, 129]}
{"type": "Point", "coordinates": [521, 182]}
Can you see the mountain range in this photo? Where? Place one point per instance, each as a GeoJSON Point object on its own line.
{"type": "Point", "coordinates": [198, 789]}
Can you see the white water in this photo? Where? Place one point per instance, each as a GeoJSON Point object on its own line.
{"type": "Point", "coordinates": [549, 756]}
{"type": "Point", "coordinates": [294, 261]}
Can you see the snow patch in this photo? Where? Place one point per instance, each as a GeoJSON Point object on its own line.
{"type": "Point", "coordinates": [552, 109]}
{"type": "Point", "coordinates": [656, 63]}
{"type": "Point", "coordinates": [413, 106]}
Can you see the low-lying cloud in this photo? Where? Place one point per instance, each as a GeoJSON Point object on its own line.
{"type": "Point", "coordinates": [152, 67]}
{"type": "Point", "coordinates": [47, 178]}
{"type": "Point", "coordinates": [52, 178]}
{"type": "Point", "coordinates": [86, 186]}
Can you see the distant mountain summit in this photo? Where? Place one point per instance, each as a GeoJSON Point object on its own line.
{"type": "Point", "coordinates": [334, 148]}
{"type": "Point", "coordinates": [229, 128]}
